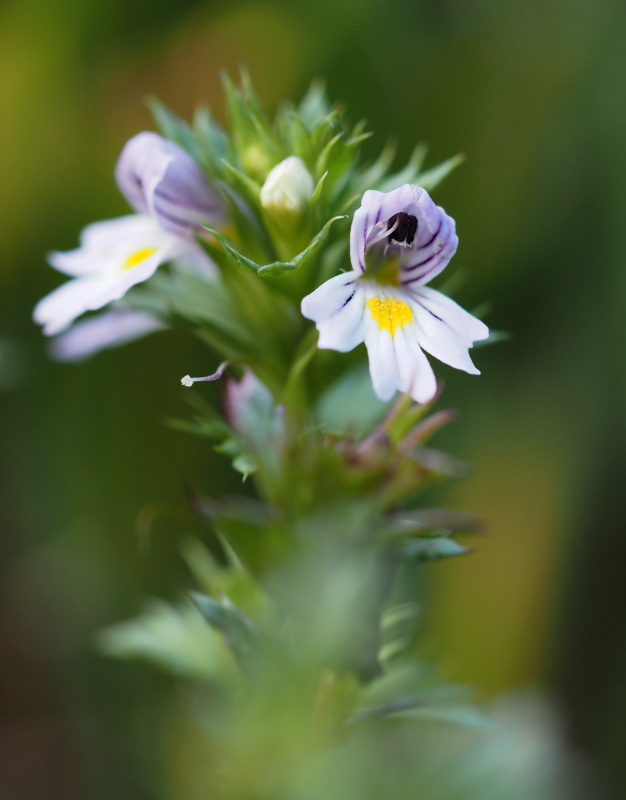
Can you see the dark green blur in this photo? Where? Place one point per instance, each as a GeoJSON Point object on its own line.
{"type": "Point", "coordinates": [92, 507]}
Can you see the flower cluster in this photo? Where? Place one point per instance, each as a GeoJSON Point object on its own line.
{"type": "Point", "coordinates": [246, 237]}
{"type": "Point", "coordinates": [399, 241]}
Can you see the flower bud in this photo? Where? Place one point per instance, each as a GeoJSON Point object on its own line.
{"type": "Point", "coordinates": [159, 178]}
{"type": "Point", "coordinates": [287, 191]}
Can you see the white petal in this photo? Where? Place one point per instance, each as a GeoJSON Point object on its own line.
{"type": "Point", "coordinates": [445, 330]}
{"type": "Point", "coordinates": [345, 330]}
{"type": "Point", "coordinates": [416, 375]}
{"type": "Point", "coordinates": [382, 361]}
{"type": "Point", "coordinates": [110, 329]}
{"type": "Point", "coordinates": [328, 298]}
{"type": "Point", "coordinates": [61, 307]}
{"type": "Point", "coordinates": [396, 360]}
{"type": "Point", "coordinates": [337, 309]}
{"type": "Point", "coordinates": [88, 293]}
{"type": "Point", "coordinates": [105, 245]}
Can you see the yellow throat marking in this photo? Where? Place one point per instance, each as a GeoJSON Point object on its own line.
{"type": "Point", "coordinates": [138, 256]}
{"type": "Point", "coordinates": [389, 313]}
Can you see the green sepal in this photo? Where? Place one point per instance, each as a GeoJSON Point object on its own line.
{"type": "Point", "coordinates": [211, 138]}
{"type": "Point", "coordinates": [249, 530]}
{"type": "Point", "coordinates": [424, 550]}
{"type": "Point", "coordinates": [429, 523]}
{"type": "Point", "coordinates": [246, 464]}
{"type": "Point", "coordinates": [278, 267]}
{"type": "Point", "coordinates": [296, 136]}
{"type": "Point", "coordinates": [314, 105]}
{"type": "Point", "coordinates": [408, 174]}
{"type": "Point", "coordinates": [245, 185]}
{"type": "Point", "coordinates": [174, 128]}
{"type": "Point", "coordinates": [225, 617]}
{"type": "Point", "coordinates": [255, 142]}
{"type": "Point", "coordinates": [430, 179]}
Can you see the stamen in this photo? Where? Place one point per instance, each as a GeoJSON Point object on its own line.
{"type": "Point", "coordinates": [188, 381]}
{"type": "Point", "coordinates": [384, 233]}
{"type": "Point", "coordinates": [401, 228]}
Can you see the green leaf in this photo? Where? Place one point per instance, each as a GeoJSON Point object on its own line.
{"type": "Point", "coordinates": [277, 267]}
{"type": "Point", "coordinates": [246, 186]}
{"type": "Point", "coordinates": [431, 522]}
{"type": "Point", "coordinates": [225, 617]}
{"type": "Point", "coordinates": [174, 128]}
{"type": "Point", "coordinates": [314, 105]}
{"type": "Point", "coordinates": [248, 528]}
{"type": "Point", "coordinates": [424, 550]}
{"type": "Point", "coordinates": [461, 716]}
{"type": "Point", "coordinates": [350, 404]}
{"type": "Point", "coordinates": [212, 139]}
{"type": "Point", "coordinates": [409, 174]}
{"type": "Point", "coordinates": [246, 464]}
{"type": "Point", "coordinates": [255, 142]}
{"type": "Point", "coordinates": [433, 177]}
{"type": "Point", "coordinates": [175, 638]}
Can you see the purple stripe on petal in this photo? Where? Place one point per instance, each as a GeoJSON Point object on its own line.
{"type": "Point", "coordinates": [433, 237]}
{"type": "Point", "coordinates": [346, 301]}
{"type": "Point", "coordinates": [155, 174]}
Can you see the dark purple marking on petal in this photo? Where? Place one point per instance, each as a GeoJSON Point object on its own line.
{"type": "Point", "coordinates": [424, 273]}
{"type": "Point", "coordinates": [345, 303]}
{"type": "Point", "coordinates": [176, 199]}
{"type": "Point", "coordinates": [432, 313]}
{"type": "Point", "coordinates": [420, 263]}
{"type": "Point", "coordinates": [178, 221]}
{"type": "Point", "coordinates": [433, 237]}
{"type": "Point", "coordinates": [416, 298]}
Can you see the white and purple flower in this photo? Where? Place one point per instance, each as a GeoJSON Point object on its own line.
{"type": "Point", "coordinates": [159, 178]}
{"type": "Point", "coordinates": [399, 241]}
{"type": "Point", "coordinates": [113, 256]}
{"type": "Point", "coordinates": [166, 186]}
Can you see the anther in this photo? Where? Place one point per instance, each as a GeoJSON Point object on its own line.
{"type": "Point", "coordinates": [402, 228]}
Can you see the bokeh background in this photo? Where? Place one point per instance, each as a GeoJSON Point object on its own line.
{"type": "Point", "coordinates": [91, 481]}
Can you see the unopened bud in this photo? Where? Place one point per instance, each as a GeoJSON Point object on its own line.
{"type": "Point", "coordinates": [287, 190]}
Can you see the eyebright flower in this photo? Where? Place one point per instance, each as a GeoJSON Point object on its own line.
{"type": "Point", "coordinates": [287, 190]}
{"type": "Point", "coordinates": [399, 241]}
{"type": "Point", "coordinates": [113, 256]}
{"type": "Point", "coordinates": [159, 178]}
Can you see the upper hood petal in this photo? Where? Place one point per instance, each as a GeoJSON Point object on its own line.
{"type": "Point", "coordinates": [158, 177]}
{"type": "Point", "coordinates": [436, 240]}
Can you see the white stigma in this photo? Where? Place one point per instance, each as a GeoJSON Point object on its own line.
{"type": "Point", "coordinates": [189, 381]}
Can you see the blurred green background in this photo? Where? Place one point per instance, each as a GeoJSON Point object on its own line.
{"type": "Point", "coordinates": [91, 481]}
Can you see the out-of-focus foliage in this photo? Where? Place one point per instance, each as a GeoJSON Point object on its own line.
{"type": "Point", "coordinates": [530, 92]}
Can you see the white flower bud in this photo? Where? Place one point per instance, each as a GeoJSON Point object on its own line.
{"type": "Point", "coordinates": [287, 190]}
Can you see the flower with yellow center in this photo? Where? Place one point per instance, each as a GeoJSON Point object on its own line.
{"type": "Point", "coordinates": [113, 256]}
{"type": "Point", "coordinates": [399, 241]}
